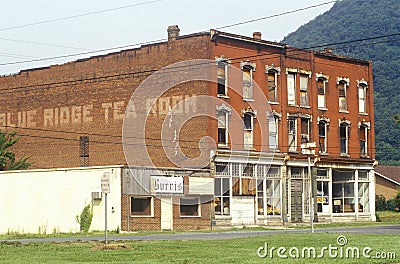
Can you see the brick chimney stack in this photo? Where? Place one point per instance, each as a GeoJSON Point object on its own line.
{"type": "Point", "coordinates": [173, 32]}
{"type": "Point", "coordinates": [257, 35]}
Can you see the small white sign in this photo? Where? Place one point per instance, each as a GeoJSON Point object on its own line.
{"type": "Point", "coordinates": [161, 184]}
{"type": "Point", "coordinates": [105, 182]}
{"type": "Point", "coordinates": [308, 145]}
{"type": "Point", "coordinates": [308, 152]}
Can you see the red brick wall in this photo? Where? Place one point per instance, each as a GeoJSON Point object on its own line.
{"type": "Point", "coordinates": [332, 66]}
{"type": "Point", "coordinates": [103, 85]}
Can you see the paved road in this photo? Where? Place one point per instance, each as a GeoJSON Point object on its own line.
{"type": "Point", "coordinates": [389, 230]}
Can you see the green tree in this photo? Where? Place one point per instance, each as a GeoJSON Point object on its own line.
{"type": "Point", "coordinates": [7, 156]}
{"type": "Point", "coordinates": [397, 119]}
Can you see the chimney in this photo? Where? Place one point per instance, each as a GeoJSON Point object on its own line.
{"type": "Point", "coordinates": [257, 35]}
{"type": "Point", "coordinates": [173, 32]}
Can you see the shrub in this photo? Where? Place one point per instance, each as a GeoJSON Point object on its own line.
{"type": "Point", "coordinates": [390, 205]}
{"type": "Point", "coordinates": [396, 201]}
{"type": "Point", "coordinates": [380, 203]}
{"type": "Point", "coordinates": [85, 219]}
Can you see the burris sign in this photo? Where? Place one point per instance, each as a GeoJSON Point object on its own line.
{"type": "Point", "coordinates": [162, 184]}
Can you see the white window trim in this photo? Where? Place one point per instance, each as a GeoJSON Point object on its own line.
{"type": "Point", "coordinates": [228, 111]}
{"type": "Point", "coordinates": [277, 72]}
{"type": "Point", "coordinates": [294, 88]}
{"type": "Point", "coordinates": [277, 117]}
{"type": "Point", "coordinates": [227, 65]}
{"type": "Point", "coordinates": [292, 118]}
{"type": "Point", "coordinates": [252, 68]}
{"type": "Point", "coordinates": [325, 79]}
{"type": "Point", "coordinates": [362, 84]}
{"type": "Point", "coordinates": [326, 121]}
{"type": "Point", "coordinates": [347, 123]}
{"type": "Point", "coordinates": [346, 82]}
{"type": "Point", "coordinates": [253, 115]}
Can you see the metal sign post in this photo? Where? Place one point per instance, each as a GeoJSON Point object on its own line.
{"type": "Point", "coordinates": [307, 149]}
{"type": "Point", "coordinates": [105, 188]}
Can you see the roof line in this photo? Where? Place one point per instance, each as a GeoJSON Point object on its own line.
{"type": "Point", "coordinates": [387, 178]}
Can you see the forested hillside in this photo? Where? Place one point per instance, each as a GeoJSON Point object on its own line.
{"type": "Point", "coordinates": [370, 20]}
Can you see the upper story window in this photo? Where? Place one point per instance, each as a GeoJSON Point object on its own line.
{"type": "Point", "coordinates": [248, 123]}
{"type": "Point", "coordinates": [222, 75]}
{"type": "Point", "coordinates": [291, 88]}
{"type": "Point", "coordinates": [223, 113]}
{"type": "Point", "coordinates": [273, 124]}
{"type": "Point", "coordinates": [248, 69]}
{"type": "Point", "coordinates": [344, 133]}
{"type": "Point", "coordinates": [342, 84]}
{"type": "Point", "coordinates": [272, 78]}
{"type": "Point", "coordinates": [364, 126]}
{"type": "Point", "coordinates": [322, 82]}
{"type": "Point", "coordinates": [304, 90]}
{"type": "Point", "coordinates": [323, 135]}
{"type": "Point", "coordinates": [305, 130]}
{"type": "Point", "coordinates": [362, 96]}
{"type": "Point", "coordinates": [292, 134]}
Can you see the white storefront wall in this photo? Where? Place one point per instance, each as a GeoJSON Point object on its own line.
{"type": "Point", "coordinates": [48, 201]}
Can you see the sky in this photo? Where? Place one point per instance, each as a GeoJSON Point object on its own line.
{"type": "Point", "coordinates": [32, 30]}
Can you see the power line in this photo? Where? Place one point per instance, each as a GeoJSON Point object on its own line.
{"type": "Point", "coordinates": [80, 15]}
{"type": "Point", "coordinates": [276, 15]}
{"type": "Point", "coordinates": [44, 44]}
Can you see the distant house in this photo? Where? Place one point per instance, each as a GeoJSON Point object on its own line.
{"type": "Point", "coordinates": [387, 181]}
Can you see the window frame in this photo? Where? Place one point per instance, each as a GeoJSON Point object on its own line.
{"type": "Point", "coordinates": [198, 205]}
{"type": "Point", "coordinates": [248, 132]}
{"type": "Point", "coordinates": [304, 91]}
{"type": "Point", "coordinates": [292, 133]}
{"type": "Point", "coordinates": [291, 95]}
{"type": "Point", "coordinates": [223, 110]}
{"type": "Point", "coordinates": [249, 67]}
{"type": "Point", "coordinates": [363, 141]}
{"type": "Point", "coordinates": [307, 135]}
{"type": "Point", "coordinates": [325, 123]}
{"type": "Point", "coordinates": [362, 87]}
{"type": "Point", "coordinates": [324, 79]}
{"type": "Point", "coordinates": [344, 151]}
{"type": "Point", "coordinates": [271, 70]}
{"type": "Point", "coordinates": [343, 83]}
{"type": "Point", "coordinates": [222, 81]}
{"type": "Point", "coordinates": [273, 122]}
{"type": "Point", "coordinates": [151, 204]}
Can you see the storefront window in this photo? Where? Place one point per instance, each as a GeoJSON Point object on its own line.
{"type": "Point", "coordinates": [363, 192]}
{"type": "Point", "coordinates": [323, 196]}
{"type": "Point", "coordinates": [273, 195]}
{"type": "Point", "coordinates": [222, 196]}
{"type": "Point", "coordinates": [343, 191]}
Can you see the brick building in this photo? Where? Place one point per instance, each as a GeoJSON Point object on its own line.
{"type": "Point", "coordinates": [72, 115]}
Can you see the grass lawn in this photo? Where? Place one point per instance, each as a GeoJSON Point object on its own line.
{"type": "Point", "coordinates": [242, 250]}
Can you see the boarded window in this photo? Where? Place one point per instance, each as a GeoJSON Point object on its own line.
{"type": "Point", "coordinates": [291, 86]}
